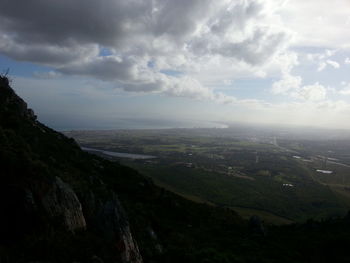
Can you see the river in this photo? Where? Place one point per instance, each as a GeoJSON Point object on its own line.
{"type": "Point", "coordinates": [119, 154]}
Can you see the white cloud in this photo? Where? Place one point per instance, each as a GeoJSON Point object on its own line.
{"type": "Point", "coordinates": [345, 90]}
{"type": "Point", "coordinates": [322, 59]}
{"type": "Point", "coordinates": [333, 63]}
{"type": "Point", "coordinates": [318, 23]}
{"type": "Point", "coordinates": [315, 92]}
{"type": "Point", "coordinates": [287, 84]}
{"type": "Point", "coordinates": [321, 66]}
{"type": "Point", "coordinates": [347, 61]}
{"type": "Point", "coordinates": [316, 57]}
{"type": "Point", "coordinates": [292, 86]}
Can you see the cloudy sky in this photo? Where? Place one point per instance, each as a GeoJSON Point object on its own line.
{"type": "Point", "coordinates": [88, 63]}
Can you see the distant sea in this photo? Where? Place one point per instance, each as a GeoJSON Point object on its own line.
{"type": "Point", "coordinates": [121, 124]}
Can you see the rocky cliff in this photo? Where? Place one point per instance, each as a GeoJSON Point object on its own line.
{"type": "Point", "coordinates": [61, 202]}
{"type": "Point", "coordinates": [113, 223]}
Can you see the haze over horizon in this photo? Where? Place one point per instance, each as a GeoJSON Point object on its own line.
{"type": "Point", "coordinates": [92, 63]}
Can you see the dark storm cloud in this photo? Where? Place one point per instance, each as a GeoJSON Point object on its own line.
{"type": "Point", "coordinates": [61, 21]}
{"type": "Point", "coordinates": [105, 68]}
{"type": "Point", "coordinates": [106, 22]}
{"type": "Point", "coordinates": [54, 55]}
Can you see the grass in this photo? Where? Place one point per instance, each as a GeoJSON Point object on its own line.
{"type": "Point", "coordinates": [244, 212]}
{"type": "Point", "coordinates": [306, 199]}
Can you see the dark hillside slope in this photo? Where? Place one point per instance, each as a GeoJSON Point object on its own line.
{"type": "Point", "coordinates": [53, 205]}
{"type": "Point", "coordinates": [60, 204]}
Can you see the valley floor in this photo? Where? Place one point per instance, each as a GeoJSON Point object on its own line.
{"type": "Point", "coordinates": [278, 179]}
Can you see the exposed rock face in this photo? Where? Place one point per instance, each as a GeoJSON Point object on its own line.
{"type": "Point", "coordinates": [109, 217]}
{"type": "Point", "coordinates": [114, 224]}
{"type": "Point", "coordinates": [61, 202]}
{"type": "Point", "coordinates": [158, 247]}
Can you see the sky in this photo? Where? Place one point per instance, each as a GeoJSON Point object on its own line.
{"type": "Point", "coordinates": [90, 64]}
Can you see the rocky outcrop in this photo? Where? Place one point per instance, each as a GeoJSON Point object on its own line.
{"type": "Point", "coordinates": [113, 223]}
{"type": "Point", "coordinates": [60, 202]}
{"type": "Point", "coordinates": [156, 243]}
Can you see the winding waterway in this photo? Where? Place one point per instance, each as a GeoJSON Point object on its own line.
{"type": "Point", "coordinates": [119, 154]}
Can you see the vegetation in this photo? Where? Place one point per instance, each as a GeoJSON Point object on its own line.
{"type": "Point", "coordinates": [219, 167]}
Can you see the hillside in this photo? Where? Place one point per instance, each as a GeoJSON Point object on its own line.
{"type": "Point", "coordinates": [60, 204]}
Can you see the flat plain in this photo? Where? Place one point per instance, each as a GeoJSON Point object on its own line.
{"type": "Point", "coordinates": [275, 175]}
